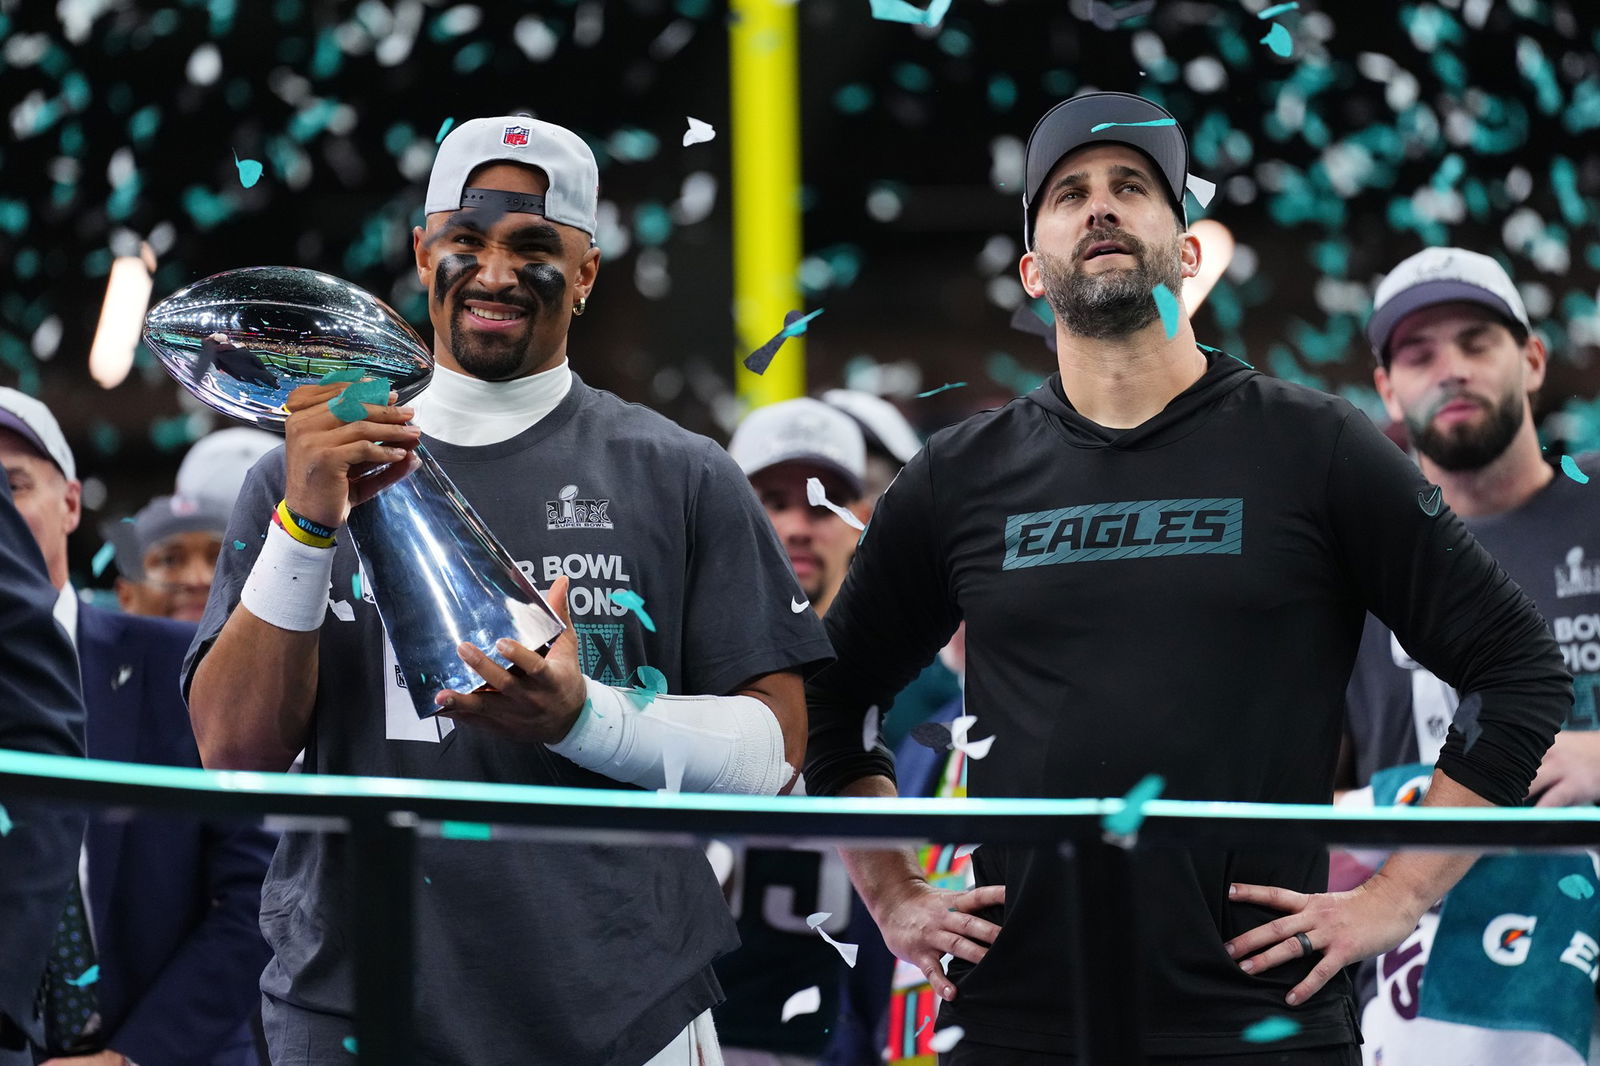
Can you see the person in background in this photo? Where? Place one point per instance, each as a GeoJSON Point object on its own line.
{"type": "Point", "coordinates": [41, 711]}
{"type": "Point", "coordinates": [170, 904]}
{"type": "Point", "coordinates": [780, 448]}
{"type": "Point", "coordinates": [166, 556]}
{"type": "Point", "coordinates": [1458, 366]}
{"type": "Point", "coordinates": [772, 891]}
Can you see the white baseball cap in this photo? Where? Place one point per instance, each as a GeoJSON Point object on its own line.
{"type": "Point", "coordinates": [1438, 276]}
{"type": "Point", "coordinates": [33, 421]}
{"type": "Point", "coordinates": [881, 421]}
{"type": "Point", "coordinates": [574, 193]}
{"type": "Point", "coordinates": [804, 430]}
{"type": "Point", "coordinates": [214, 469]}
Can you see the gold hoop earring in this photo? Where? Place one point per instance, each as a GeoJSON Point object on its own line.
{"type": "Point", "coordinates": [580, 305]}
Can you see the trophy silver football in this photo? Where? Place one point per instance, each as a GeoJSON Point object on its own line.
{"type": "Point", "coordinates": [437, 574]}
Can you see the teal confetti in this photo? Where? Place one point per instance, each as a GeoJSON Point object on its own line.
{"type": "Point", "coordinates": [925, 1019]}
{"type": "Point", "coordinates": [1153, 122]}
{"type": "Point", "coordinates": [355, 584]}
{"type": "Point", "coordinates": [444, 129]}
{"type": "Point", "coordinates": [634, 602]}
{"type": "Point", "coordinates": [465, 831]}
{"type": "Point", "coordinates": [652, 683]}
{"type": "Point", "coordinates": [427, 880]}
{"type": "Point", "coordinates": [1277, 9]}
{"type": "Point", "coordinates": [1279, 41]}
{"type": "Point", "coordinates": [1576, 886]}
{"type": "Point", "coordinates": [901, 11]}
{"type": "Point", "coordinates": [912, 78]}
{"type": "Point", "coordinates": [239, 545]}
{"type": "Point", "coordinates": [1270, 1030]}
{"type": "Point", "coordinates": [341, 377]}
{"type": "Point", "coordinates": [102, 559]}
{"type": "Point", "coordinates": [6, 825]}
{"type": "Point", "coordinates": [798, 326]}
{"type": "Point", "coordinates": [1126, 822]}
{"type": "Point", "coordinates": [350, 405]}
{"type": "Point", "coordinates": [249, 171]}
{"type": "Point", "coordinates": [942, 388]}
{"type": "Point", "coordinates": [86, 978]}
{"type": "Point", "coordinates": [350, 1044]}
{"type": "Point", "coordinates": [1167, 304]}
{"type": "Point", "coordinates": [852, 99]}
{"type": "Point", "coordinates": [1569, 467]}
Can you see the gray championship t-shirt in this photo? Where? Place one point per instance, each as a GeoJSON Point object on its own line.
{"type": "Point", "coordinates": [539, 953]}
{"type": "Point", "coordinates": [1399, 712]}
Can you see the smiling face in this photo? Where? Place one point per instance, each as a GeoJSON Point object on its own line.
{"type": "Point", "coordinates": [1105, 235]}
{"type": "Point", "coordinates": [177, 577]}
{"type": "Point", "coordinates": [1460, 381]}
{"type": "Point", "coordinates": [502, 283]}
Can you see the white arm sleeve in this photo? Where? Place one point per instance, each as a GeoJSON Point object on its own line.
{"type": "Point", "coordinates": [688, 743]}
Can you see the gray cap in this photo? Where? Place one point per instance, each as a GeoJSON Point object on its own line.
{"type": "Point", "coordinates": [162, 517]}
{"type": "Point", "coordinates": [1095, 118]}
{"type": "Point", "coordinates": [803, 430]}
{"type": "Point", "coordinates": [33, 421]}
{"type": "Point", "coordinates": [574, 193]}
{"type": "Point", "coordinates": [1439, 276]}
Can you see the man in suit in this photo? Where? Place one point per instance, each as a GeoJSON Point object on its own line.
{"type": "Point", "coordinates": [174, 901]}
{"type": "Point", "coordinates": [40, 711]}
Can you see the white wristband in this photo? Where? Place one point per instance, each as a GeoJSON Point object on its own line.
{"type": "Point", "coordinates": [689, 743]}
{"type": "Point", "coordinates": [288, 586]}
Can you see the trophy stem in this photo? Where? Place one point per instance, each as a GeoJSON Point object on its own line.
{"type": "Point", "coordinates": [440, 578]}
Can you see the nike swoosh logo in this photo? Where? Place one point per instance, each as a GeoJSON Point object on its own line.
{"type": "Point", "coordinates": [798, 605]}
{"type": "Point", "coordinates": [1430, 500]}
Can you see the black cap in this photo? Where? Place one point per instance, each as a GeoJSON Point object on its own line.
{"type": "Point", "coordinates": [1127, 119]}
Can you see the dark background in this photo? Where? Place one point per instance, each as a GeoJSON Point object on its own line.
{"type": "Point", "coordinates": [1390, 127]}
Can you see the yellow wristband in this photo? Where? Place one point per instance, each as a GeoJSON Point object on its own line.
{"type": "Point", "coordinates": [294, 525]}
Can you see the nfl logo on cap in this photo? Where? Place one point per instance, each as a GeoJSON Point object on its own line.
{"type": "Point", "coordinates": [516, 136]}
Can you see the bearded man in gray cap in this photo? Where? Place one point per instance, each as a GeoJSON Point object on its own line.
{"type": "Point", "coordinates": [1459, 364]}
{"type": "Point", "coordinates": [572, 954]}
{"type": "Point", "coordinates": [1114, 540]}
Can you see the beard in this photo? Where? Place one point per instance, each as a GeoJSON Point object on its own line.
{"type": "Point", "coordinates": [493, 356]}
{"type": "Point", "coordinates": [1111, 303]}
{"type": "Point", "coordinates": [1467, 446]}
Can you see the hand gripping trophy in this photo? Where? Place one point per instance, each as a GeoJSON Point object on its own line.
{"type": "Point", "coordinates": [242, 340]}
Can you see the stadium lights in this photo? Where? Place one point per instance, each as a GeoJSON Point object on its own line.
{"type": "Point", "coordinates": [121, 316]}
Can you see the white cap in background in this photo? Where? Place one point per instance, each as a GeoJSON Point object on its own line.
{"type": "Point", "coordinates": [802, 430]}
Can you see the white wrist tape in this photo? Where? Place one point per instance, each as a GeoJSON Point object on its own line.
{"type": "Point", "coordinates": [288, 586]}
{"type": "Point", "coordinates": [688, 743]}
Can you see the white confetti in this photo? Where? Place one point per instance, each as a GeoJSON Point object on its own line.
{"type": "Point", "coordinates": [122, 677]}
{"type": "Point", "coordinates": [805, 1001]}
{"type": "Point", "coordinates": [342, 610]}
{"type": "Point", "coordinates": [1202, 189]}
{"type": "Point", "coordinates": [972, 749]}
{"type": "Point", "coordinates": [869, 729]}
{"type": "Point", "coordinates": [848, 952]}
{"type": "Point", "coordinates": [817, 496]}
{"type": "Point", "coordinates": [698, 132]}
{"type": "Point", "coordinates": [945, 1039]}
{"type": "Point", "coordinates": [967, 849]}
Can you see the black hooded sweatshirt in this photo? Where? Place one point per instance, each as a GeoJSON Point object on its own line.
{"type": "Point", "coordinates": [1182, 598]}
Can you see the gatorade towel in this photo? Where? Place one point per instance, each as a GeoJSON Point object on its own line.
{"type": "Point", "coordinates": [1503, 972]}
